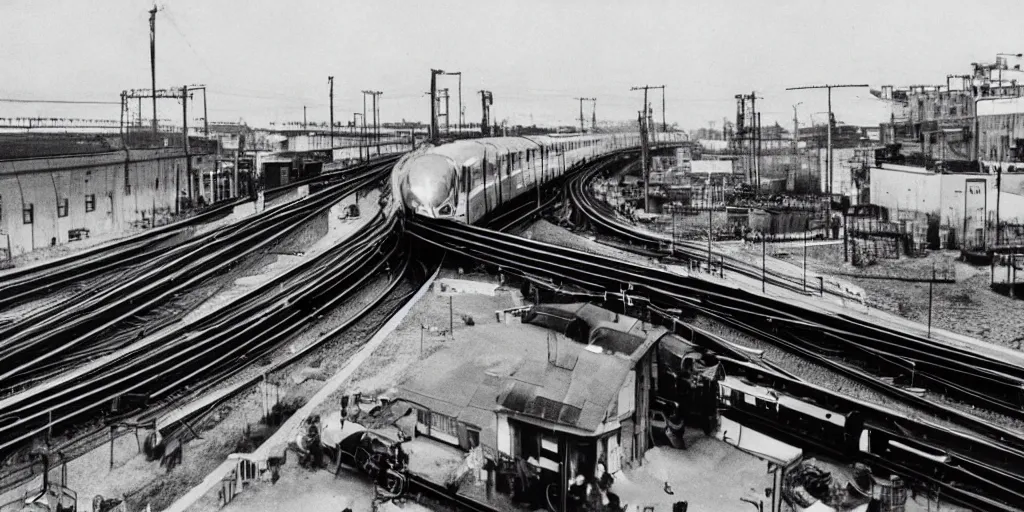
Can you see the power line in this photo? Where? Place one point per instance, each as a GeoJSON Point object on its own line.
{"type": "Point", "coordinates": [174, 25]}
{"type": "Point", "coordinates": [65, 102]}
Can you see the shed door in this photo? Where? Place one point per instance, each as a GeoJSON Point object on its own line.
{"type": "Point", "coordinates": [974, 213]}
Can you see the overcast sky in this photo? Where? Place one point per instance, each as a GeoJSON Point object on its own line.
{"type": "Point", "coordinates": [264, 60]}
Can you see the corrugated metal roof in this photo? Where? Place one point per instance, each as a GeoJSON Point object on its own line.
{"type": "Point", "coordinates": [506, 367]}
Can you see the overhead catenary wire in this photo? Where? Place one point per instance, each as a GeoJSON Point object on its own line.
{"type": "Point", "coordinates": [63, 102]}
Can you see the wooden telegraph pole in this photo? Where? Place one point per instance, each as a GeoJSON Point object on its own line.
{"type": "Point", "coordinates": [829, 158]}
{"type": "Point", "coordinates": [330, 81]}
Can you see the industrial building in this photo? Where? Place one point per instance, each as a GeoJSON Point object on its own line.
{"type": "Point", "coordinates": [53, 200]}
{"type": "Point", "coordinates": [962, 203]}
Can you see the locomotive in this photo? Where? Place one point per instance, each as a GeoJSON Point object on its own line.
{"type": "Point", "coordinates": [467, 180]}
{"type": "Point", "coordinates": [814, 418]}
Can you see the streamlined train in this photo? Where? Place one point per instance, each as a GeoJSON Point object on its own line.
{"type": "Point", "coordinates": [468, 180]}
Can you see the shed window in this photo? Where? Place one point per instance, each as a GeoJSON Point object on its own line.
{"type": "Point", "coordinates": [445, 424]}
{"type": "Point", "coordinates": [28, 213]}
{"type": "Point", "coordinates": [62, 207]}
{"type": "Point", "coordinates": [90, 202]}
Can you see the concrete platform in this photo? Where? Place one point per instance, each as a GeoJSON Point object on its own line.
{"type": "Point", "coordinates": [200, 495]}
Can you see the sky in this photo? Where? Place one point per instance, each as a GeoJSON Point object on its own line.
{"type": "Point", "coordinates": [262, 61]}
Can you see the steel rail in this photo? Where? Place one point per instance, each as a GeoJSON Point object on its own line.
{"type": "Point", "coordinates": [154, 366]}
{"type": "Point", "coordinates": [596, 272]}
{"type": "Point", "coordinates": [162, 261]}
{"type": "Point", "coordinates": [20, 285]}
{"type": "Point", "coordinates": [526, 259]}
{"type": "Point", "coordinates": [162, 283]}
{"type": "Point", "coordinates": [963, 373]}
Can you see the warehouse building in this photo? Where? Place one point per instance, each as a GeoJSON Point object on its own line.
{"type": "Point", "coordinates": [54, 200]}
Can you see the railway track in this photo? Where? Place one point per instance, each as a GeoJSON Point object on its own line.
{"type": "Point", "coordinates": [202, 355]}
{"type": "Point", "coordinates": [21, 285]}
{"type": "Point", "coordinates": [43, 345]}
{"type": "Point", "coordinates": [993, 460]}
{"type": "Point", "coordinates": [962, 374]}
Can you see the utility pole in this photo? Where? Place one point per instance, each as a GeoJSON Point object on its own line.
{"type": "Point", "coordinates": [999, 183]}
{"type": "Point", "coordinates": [444, 96]}
{"type": "Point", "coordinates": [931, 286]}
{"type": "Point", "coordinates": [486, 100]}
{"type": "Point", "coordinates": [749, 131]}
{"type": "Point", "coordinates": [647, 105]}
{"type": "Point", "coordinates": [152, 61]}
{"type": "Point", "coordinates": [593, 111]}
{"type": "Point", "coordinates": [829, 157]}
{"type": "Point", "coordinates": [664, 124]}
{"type": "Point", "coordinates": [581, 100]}
{"type": "Point", "coordinates": [459, 121]}
{"type": "Point", "coordinates": [375, 130]}
{"type": "Point", "coordinates": [330, 80]}
{"type": "Point", "coordinates": [184, 129]}
{"type": "Point", "coordinates": [304, 117]}
{"type": "Point", "coordinates": [355, 126]}
{"type": "Point", "coordinates": [708, 188]}
{"type": "Point", "coordinates": [754, 160]}
{"type": "Point", "coordinates": [644, 150]}
{"type": "Point", "coordinates": [362, 137]}
{"type": "Point", "coordinates": [206, 117]}
{"type": "Point", "coordinates": [807, 225]}
{"type": "Point", "coordinates": [796, 127]}
{"type": "Point", "coordinates": [433, 103]}
{"type": "Point", "coordinates": [764, 260]}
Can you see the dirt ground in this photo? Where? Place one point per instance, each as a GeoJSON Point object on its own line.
{"type": "Point", "coordinates": [402, 348]}
{"type": "Point", "coordinates": [544, 231]}
{"type": "Point", "coordinates": [968, 307]}
{"type": "Point", "coordinates": [709, 474]}
{"type": "Point", "coordinates": [304, 490]}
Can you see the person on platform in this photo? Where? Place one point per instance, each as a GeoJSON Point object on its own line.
{"type": "Point", "coordinates": [677, 428]}
{"type": "Point", "coordinates": [577, 494]}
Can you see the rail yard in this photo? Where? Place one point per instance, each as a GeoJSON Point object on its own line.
{"type": "Point", "coordinates": [520, 311]}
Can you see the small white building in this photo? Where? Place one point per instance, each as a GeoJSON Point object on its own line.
{"type": "Point", "coordinates": [964, 202]}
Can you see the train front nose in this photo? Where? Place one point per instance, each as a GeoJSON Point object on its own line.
{"type": "Point", "coordinates": [429, 187]}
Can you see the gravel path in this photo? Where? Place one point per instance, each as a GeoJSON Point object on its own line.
{"type": "Point", "coordinates": [402, 348]}
{"type": "Point", "coordinates": [968, 307]}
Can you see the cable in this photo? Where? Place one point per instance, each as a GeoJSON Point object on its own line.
{"type": "Point", "coordinates": [174, 25]}
{"type": "Point", "coordinates": [71, 102]}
